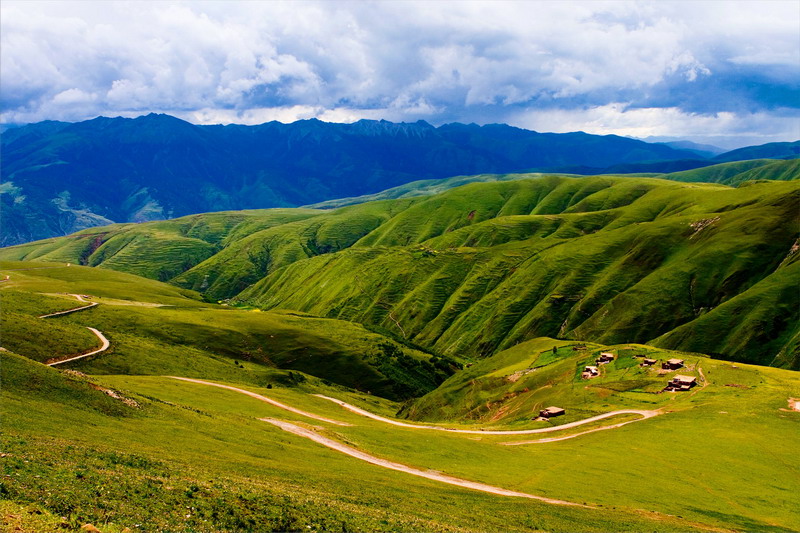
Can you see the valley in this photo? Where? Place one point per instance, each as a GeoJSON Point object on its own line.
{"type": "Point", "coordinates": [469, 271]}
{"type": "Point", "coordinates": [399, 267]}
{"type": "Point", "coordinates": [270, 441]}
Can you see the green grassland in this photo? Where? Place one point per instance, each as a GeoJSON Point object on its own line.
{"type": "Point", "coordinates": [738, 172]}
{"type": "Point", "coordinates": [169, 331]}
{"type": "Point", "coordinates": [512, 386]}
{"type": "Point", "coordinates": [471, 270]}
{"type": "Point", "coordinates": [468, 272]}
{"type": "Point", "coordinates": [188, 457]}
{"type": "Point", "coordinates": [193, 459]}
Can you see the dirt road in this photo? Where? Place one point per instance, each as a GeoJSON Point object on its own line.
{"type": "Point", "coordinates": [645, 415]}
{"type": "Point", "coordinates": [556, 439]}
{"type": "Point", "coordinates": [435, 476]}
{"type": "Point", "coordinates": [263, 399]}
{"type": "Point", "coordinates": [102, 348]}
{"type": "Point", "coordinates": [68, 311]}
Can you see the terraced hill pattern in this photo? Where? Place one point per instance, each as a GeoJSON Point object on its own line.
{"type": "Point", "coordinates": [469, 271]}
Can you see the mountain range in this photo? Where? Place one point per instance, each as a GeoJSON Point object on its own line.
{"type": "Point", "coordinates": [62, 177]}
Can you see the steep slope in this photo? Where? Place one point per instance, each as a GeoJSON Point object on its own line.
{"type": "Point", "coordinates": [478, 268]}
{"type": "Point", "coordinates": [60, 178]}
{"type": "Point", "coordinates": [485, 266]}
{"type": "Point", "coordinates": [732, 173]}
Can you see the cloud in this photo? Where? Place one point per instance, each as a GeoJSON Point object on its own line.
{"type": "Point", "coordinates": [725, 129]}
{"type": "Point", "coordinates": [441, 61]}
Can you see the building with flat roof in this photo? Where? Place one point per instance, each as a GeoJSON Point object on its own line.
{"type": "Point", "coordinates": [551, 412]}
{"type": "Point", "coordinates": [672, 364]}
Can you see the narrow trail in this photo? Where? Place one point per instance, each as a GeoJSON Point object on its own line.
{"type": "Point", "coordinates": [105, 346]}
{"type": "Point", "coordinates": [644, 414]}
{"type": "Point", "coordinates": [567, 437]}
{"type": "Point", "coordinates": [105, 343]}
{"type": "Point", "coordinates": [80, 298]}
{"type": "Point", "coordinates": [264, 399]}
{"type": "Point", "coordinates": [427, 474]}
{"type": "Point", "coordinates": [435, 476]}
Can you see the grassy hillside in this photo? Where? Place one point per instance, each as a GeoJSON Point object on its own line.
{"type": "Point", "coordinates": [190, 458]}
{"type": "Point", "coordinates": [248, 259]}
{"type": "Point", "coordinates": [738, 172]}
{"type": "Point", "coordinates": [478, 268]}
{"type": "Point", "coordinates": [158, 330]}
{"type": "Point", "coordinates": [178, 456]}
{"type": "Point", "coordinates": [157, 250]}
{"type": "Point", "coordinates": [120, 445]}
{"type": "Point", "coordinates": [483, 267]}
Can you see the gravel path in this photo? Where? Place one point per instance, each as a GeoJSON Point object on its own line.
{"type": "Point", "coordinates": [68, 311]}
{"type": "Point", "coordinates": [263, 399]}
{"type": "Point", "coordinates": [645, 415]}
{"type": "Point", "coordinates": [105, 344]}
{"type": "Point", "coordinates": [103, 348]}
{"type": "Point", "coordinates": [435, 476]}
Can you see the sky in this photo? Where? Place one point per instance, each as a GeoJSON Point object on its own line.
{"type": "Point", "coordinates": [720, 72]}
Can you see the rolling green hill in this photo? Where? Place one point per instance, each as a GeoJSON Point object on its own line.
{"type": "Point", "coordinates": [478, 268]}
{"type": "Point", "coordinates": [114, 441]}
{"type": "Point", "coordinates": [738, 172]}
{"type": "Point", "coordinates": [156, 329]}
{"type": "Point", "coordinates": [483, 267]}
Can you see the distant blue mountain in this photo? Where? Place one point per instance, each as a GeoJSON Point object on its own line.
{"type": "Point", "coordinates": [60, 177]}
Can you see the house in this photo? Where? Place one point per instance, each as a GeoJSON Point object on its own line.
{"type": "Point", "coordinates": [590, 372]}
{"type": "Point", "coordinates": [605, 357]}
{"type": "Point", "coordinates": [690, 381]}
{"type": "Point", "coordinates": [551, 412]}
{"type": "Point", "coordinates": [648, 362]}
{"type": "Point", "coordinates": [681, 383]}
{"type": "Point", "coordinates": [672, 364]}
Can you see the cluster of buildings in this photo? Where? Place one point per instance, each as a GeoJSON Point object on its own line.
{"type": "Point", "coordinates": [676, 384]}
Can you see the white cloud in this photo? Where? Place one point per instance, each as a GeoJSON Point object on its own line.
{"type": "Point", "coordinates": [481, 61]}
{"type": "Point", "coordinates": [726, 129]}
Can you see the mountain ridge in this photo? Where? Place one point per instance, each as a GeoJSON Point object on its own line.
{"type": "Point", "coordinates": [62, 177]}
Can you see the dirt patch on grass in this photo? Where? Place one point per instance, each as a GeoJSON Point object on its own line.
{"type": "Point", "coordinates": [116, 395]}
{"type": "Point", "coordinates": [794, 404]}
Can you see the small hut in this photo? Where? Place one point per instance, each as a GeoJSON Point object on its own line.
{"type": "Point", "coordinates": [605, 357]}
{"type": "Point", "coordinates": [681, 383]}
{"type": "Point", "coordinates": [590, 372]}
{"type": "Point", "coordinates": [551, 412]}
{"type": "Point", "coordinates": [648, 362]}
{"type": "Point", "coordinates": [672, 364]}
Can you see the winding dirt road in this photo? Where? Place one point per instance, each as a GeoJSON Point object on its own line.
{"type": "Point", "coordinates": [68, 311]}
{"type": "Point", "coordinates": [567, 437]}
{"type": "Point", "coordinates": [435, 476]}
{"type": "Point", "coordinates": [264, 399]}
{"type": "Point", "coordinates": [644, 414]}
{"type": "Point", "coordinates": [106, 344]}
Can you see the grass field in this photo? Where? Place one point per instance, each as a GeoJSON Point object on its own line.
{"type": "Point", "coordinates": [432, 312]}
{"type": "Point", "coordinates": [188, 457]}
{"type": "Point", "coordinates": [472, 265]}
{"type": "Point", "coordinates": [158, 329]}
